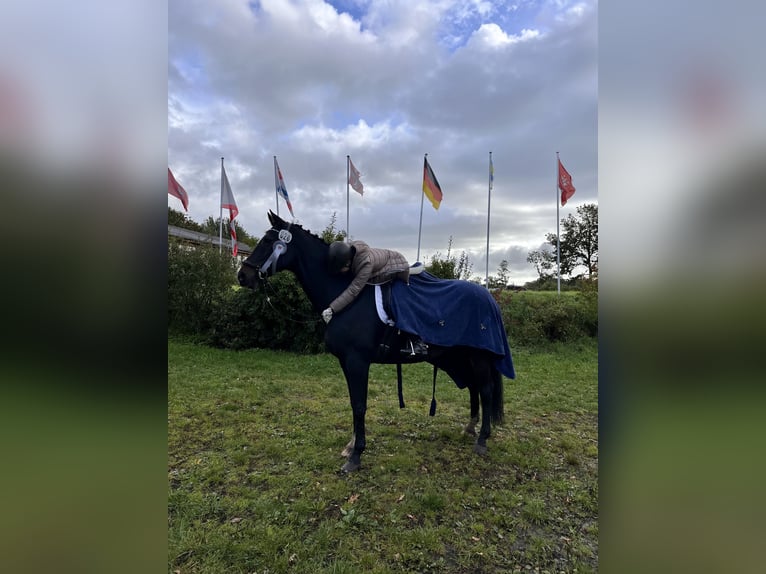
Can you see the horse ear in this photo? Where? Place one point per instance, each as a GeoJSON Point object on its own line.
{"type": "Point", "coordinates": [273, 218]}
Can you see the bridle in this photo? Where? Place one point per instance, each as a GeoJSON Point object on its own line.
{"type": "Point", "coordinates": [279, 248]}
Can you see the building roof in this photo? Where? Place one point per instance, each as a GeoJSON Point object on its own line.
{"type": "Point", "coordinates": [199, 238]}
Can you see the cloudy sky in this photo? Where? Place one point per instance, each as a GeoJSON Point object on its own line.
{"type": "Point", "coordinates": [311, 81]}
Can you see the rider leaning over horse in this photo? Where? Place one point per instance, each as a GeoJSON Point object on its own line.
{"type": "Point", "coordinates": [368, 265]}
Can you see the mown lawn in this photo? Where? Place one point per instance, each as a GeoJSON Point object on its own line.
{"type": "Point", "coordinates": [253, 457]}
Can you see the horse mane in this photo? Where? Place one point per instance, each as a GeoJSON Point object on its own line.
{"type": "Point", "coordinates": [290, 226]}
{"type": "Point", "coordinates": [310, 234]}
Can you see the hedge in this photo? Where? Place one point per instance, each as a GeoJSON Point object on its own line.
{"type": "Point", "coordinates": [535, 317]}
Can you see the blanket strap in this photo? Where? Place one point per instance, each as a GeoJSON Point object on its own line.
{"type": "Point", "coordinates": [432, 412]}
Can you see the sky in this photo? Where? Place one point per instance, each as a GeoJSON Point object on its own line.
{"type": "Point", "coordinates": [386, 82]}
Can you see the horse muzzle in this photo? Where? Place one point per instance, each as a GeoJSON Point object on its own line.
{"type": "Point", "coordinates": [247, 278]}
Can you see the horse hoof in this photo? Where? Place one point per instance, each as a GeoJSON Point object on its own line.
{"type": "Point", "coordinates": [480, 449]}
{"type": "Point", "coordinates": [350, 467]}
{"type": "Point", "coordinates": [470, 429]}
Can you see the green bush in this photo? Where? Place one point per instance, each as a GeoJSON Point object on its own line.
{"type": "Point", "coordinates": [277, 316]}
{"type": "Point", "coordinates": [198, 279]}
{"type": "Point", "coordinates": [205, 302]}
{"type": "Point", "coordinates": [533, 317]}
{"type": "Point", "coordinates": [587, 309]}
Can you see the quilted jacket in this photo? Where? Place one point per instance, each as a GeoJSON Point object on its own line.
{"type": "Point", "coordinates": [371, 265]}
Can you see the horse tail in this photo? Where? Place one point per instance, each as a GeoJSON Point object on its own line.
{"type": "Point", "coordinates": [496, 415]}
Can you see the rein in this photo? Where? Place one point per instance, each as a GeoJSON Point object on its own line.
{"type": "Point", "coordinates": [268, 300]}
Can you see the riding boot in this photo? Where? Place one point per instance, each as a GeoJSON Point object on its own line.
{"type": "Point", "coordinates": [389, 338]}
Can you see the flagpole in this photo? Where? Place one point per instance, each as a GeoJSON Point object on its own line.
{"type": "Point", "coordinates": [220, 216]}
{"type": "Point", "coordinates": [422, 197]}
{"type": "Point", "coordinates": [348, 175]}
{"type": "Point", "coordinates": [558, 239]}
{"type": "Point", "coordinates": [276, 185]}
{"type": "Point", "coordinates": [489, 196]}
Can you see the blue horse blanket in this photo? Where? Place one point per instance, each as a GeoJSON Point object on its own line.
{"type": "Point", "coordinates": [449, 312]}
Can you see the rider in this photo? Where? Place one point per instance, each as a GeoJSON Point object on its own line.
{"type": "Point", "coordinates": [368, 265]}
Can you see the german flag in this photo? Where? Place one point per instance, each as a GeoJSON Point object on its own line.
{"type": "Point", "coordinates": [431, 185]}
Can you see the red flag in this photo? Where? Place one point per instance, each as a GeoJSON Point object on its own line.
{"type": "Point", "coordinates": [175, 189]}
{"type": "Point", "coordinates": [353, 178]}
{"type": "Point", "coordinates": [565, 185]}
{"type": "Point", "coordinates": [227, 201]}
{"type": "Point", "coordinates": [431, 186]}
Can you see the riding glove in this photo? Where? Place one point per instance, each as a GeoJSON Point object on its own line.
{"type": "Point", "coordinates": [327, 315]}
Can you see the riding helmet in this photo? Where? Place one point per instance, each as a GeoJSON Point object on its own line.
{"type": "Point", "coordinates": [340, 255]}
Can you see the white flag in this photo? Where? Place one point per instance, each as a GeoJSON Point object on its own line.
{"type": "Point", "coordinates": [353, 178]}
{"type": "Point", "coordinates": [227, 201]}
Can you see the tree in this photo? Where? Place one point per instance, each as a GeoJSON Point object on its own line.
{"type": "Point", "coordinates": [450, 267]}
{"type": "Point", "coordinates": [330, 234]}
{"type": "Point", "coordinates": [503, 273]}
{"type": "Point", "coordinates": [543, 260]}
{"type": "Point", "coordinates": [579, 245]}
{"type": "Point", "coordinates": [500, 281]}
{"type": "Point", "coordinates": [579, 240]}
{"type": "Point", "coordinates": [182, 220]}
{"type": "Point", "coordinates": [211, 227]}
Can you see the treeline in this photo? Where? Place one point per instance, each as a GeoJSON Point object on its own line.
{"type": "Point", "coordinates": [578, 244]}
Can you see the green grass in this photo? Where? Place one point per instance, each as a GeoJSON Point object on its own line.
{"type": "Point", "coordinates": [548, 294]}
{"type": "Point", "coordinates": [253, 457]}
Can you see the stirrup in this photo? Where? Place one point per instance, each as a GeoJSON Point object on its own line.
{"type": "Point", "coordinates": [415, 348]}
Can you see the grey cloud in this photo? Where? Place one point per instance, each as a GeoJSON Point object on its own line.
{"type": "Point", "coordinates": [262, 84]}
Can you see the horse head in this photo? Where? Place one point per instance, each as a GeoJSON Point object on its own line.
{"type": "Point", "coordinates": [271, 255]}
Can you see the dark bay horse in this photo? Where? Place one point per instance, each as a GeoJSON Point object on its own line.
{"type": "Point", "coordinates": [355, 335]}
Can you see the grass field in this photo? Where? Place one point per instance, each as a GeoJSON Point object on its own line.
{"type": "Point", "coordinates": [253, 457]}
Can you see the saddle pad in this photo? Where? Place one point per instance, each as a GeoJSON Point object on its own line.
{"type": "Point", "coordinates": [452, 312]}
{"type": "Point", "coordinates": [382, 315]}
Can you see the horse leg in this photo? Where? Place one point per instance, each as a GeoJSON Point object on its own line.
{"type": "Point", "coordinates": [357, 372]}
{"type": "Point", "coordinates": [485, 374]}
{"type": "Point", "coordinates": [470, 428]}
{"type": "Point", "coordinates": [486, 407]}
{"type": "Point", "coordinates": [484, 382]}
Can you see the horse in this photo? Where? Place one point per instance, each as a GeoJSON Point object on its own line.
{"type": "Point", "coordinates": [357, 337]}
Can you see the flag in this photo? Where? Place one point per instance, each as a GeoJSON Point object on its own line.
{"type": "Point", "coordinates": [565, 185]}
{"type": "Point", "coordinates": [227, 201]}
{"type": "Point", "coordinates": [491, 173]}
{"type": "Point", "coordinates": [353, 178]}
{"type": "Point", "coordinates": [281, 189]}
{"type": "Point", "coordinates": [430, 185]}
{"type": "Point", "coordinates": [175, 189]}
